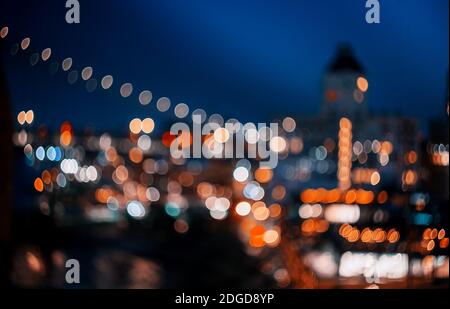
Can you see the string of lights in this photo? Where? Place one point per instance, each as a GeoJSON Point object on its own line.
{"type": "Point", "coordinates": [126, 90]}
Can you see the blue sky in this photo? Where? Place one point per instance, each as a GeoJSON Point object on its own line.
{"type": "Point", "coordinates": [247, 59]}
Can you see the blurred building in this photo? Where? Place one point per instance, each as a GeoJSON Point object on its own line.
{"type": "Point", "coordinates": [379, 142]}
{"type": "Point", "coordinates": [367, 175]}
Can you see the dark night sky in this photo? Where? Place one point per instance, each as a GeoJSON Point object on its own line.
{"type": "Point", "coordinates": [247, 59]}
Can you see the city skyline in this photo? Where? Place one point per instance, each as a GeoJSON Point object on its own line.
{"type": "Point", "coordinates": [193, 144]}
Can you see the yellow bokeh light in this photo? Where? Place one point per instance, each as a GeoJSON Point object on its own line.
{"type": "Point", "coordinates": [263, 175]}
{"type": "Point", "coordinates": [243, 209]}
{"type": "Point", "coordinates": [21, 118]}
{"type": "Point", "coordinates": [275, 210]}
{"type": "Point", "coordinates": [278, 144]}
{"type": "Point", "coordinates": [29, 117]}
{"type": "Point", "coordinates": [148, 125]}
{"type": "Point", "coordinates": [362, 84]}
{"type": "Point", "coordinates": [261, 213]}
{"type": "Point", "coordinates": [66, 138]}
{"type": "Point", "coordinates": [135, 126]}
{"type": "Point", "coordinates": [441, 234]}
{"type": "Point", "coordinates": [375, 178]}
{"type": "Point", "coordinates": [221, 135]}
{"type": "Point", "coordinates": [135, 155]}
{"type": "Point", "coordinates": [39, 185]}
{"type": "Point", "coordinates": [271, 237]}
{"type": "Point", "coordinates": [4, 32]}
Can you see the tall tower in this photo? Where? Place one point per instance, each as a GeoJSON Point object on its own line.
{"type": "Point", "coordinates": [345, 88]}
